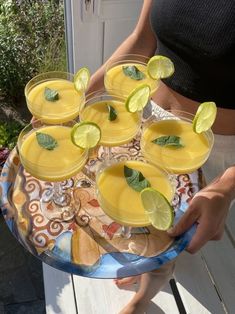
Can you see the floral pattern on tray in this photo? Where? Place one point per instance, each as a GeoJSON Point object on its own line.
{"type": "Point", "coordinates": [89, 244]}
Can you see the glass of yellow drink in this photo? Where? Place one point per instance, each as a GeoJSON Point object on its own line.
{"type": "Point", "coordinates": [121, 202]}
{"type": "Point", "coordinates": [126, 72]}
{"type": "Point", "coordinates": [168, 140]}
{"type": "Point", "coordinates": [108, 111]}
{"type": "Point", "coordinates": [51, 97]}
{"type": "Point", "coordinates": [48, 154]}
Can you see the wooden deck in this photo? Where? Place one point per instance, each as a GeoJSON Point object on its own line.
{"type": "Point", "coordinates": [203, 283]}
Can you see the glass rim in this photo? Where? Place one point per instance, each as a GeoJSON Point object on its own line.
{"type": "Point", "coordinates": [96, 97]}
{"type": "Point", "coordinates": [35, 121]}
{"type": "Point", "coordinates": [54, 115]}
{"type": "Point", "coordinates": [46, 73]}
{"type": "Point", "coordinates": [128, 55]}
{"type": "Point", "coordinates": [170, 176]}
{"type": "Point", "coordinates": [113, 161]}
{"type": "Point", "coordinates": [104, 92]}
{"type": "Point", "coordinates": [126, 58]}
{"type": "Point", "coordinates": [24, 132]}
{"type": "Point", "coordinates": [155, 118]}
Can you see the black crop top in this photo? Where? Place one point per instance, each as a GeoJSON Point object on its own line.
{"type": "Point", "coordinates": [199, 37]}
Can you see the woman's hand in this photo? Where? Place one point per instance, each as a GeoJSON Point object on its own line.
{"type": "Point", "coordinates": [209, 209]}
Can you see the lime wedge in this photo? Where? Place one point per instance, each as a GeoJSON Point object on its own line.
{"type": "Point", "coordinates": [81, 79]}
{"type": "Point", "coordinates": [138, 98]}
{"type": "Point", "coordinates": [158, 208]}
{"type": "Point", "coordinates": [204, 117]}
{"type": "Point", "coordinates": [160, 67]}
{"type": "Point", "coordinates": [85, 134]}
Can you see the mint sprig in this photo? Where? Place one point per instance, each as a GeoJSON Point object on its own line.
{"type": "Point", "coordinates": [135, 179]}
{"type": "Point", "coordinates": [46, 141]}
{"type": "Point", "coordinates": [51, 94]}
{"type": "Point", "coordinates": [112, 113]}
{"type": "Point", "coordinates": [133, 72]}
{"type": "Point", "coordinates": [168, 140]}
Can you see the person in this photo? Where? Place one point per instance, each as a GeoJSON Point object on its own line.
{"type": "Point", "coordinates": [198, 37]}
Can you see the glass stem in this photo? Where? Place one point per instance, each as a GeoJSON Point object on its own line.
{"type": "Point", "coordinates": [107, 152]}
{"type": "Point", "coordinates": [59, 195]}
{"type": "Point", "coordinates": [126, 232]}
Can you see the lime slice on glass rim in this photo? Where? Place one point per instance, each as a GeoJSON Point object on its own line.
{"type": "Point", "coordinates": [81, 79]}
{"type": "Point", "coordinates": [159, 67]}
{"type": "Point", "coordinates": [204, 117]}
{"type": "Point", "coordinates": [158, 208]}
{"type": "Point", "coordinates": [85, 134]}
{"type": "Point", "coordinates": [138, 98]}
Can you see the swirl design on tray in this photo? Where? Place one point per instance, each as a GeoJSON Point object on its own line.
{"type": "Point", "coordinates": [91, 235]}
{"type": "Point", "coordinates": [32, 185]}
{"type": "Point", "coordinates": [33, 207]}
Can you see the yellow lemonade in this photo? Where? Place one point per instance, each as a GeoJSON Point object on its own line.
{"type": "Point", "coordinates": [62, 110]}
{"type": "Point", "coordinates": [187, 158]}
{"type": "Point", "coordinates": [120, 201]}
{"type": "Point", "coordinates": [117, 132]}
{"type": "Point", "coordinates": [61, 163]}
{"type": "Point", "coordinates": [115, 79]}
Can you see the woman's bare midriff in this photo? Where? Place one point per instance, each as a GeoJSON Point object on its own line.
{"type": "Point", "coordinates": [169, 99]}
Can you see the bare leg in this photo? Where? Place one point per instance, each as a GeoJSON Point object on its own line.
{"type": "Point", "coordinates": [123, 282]}
{"type": "Point", "coordinates": [150, 285]}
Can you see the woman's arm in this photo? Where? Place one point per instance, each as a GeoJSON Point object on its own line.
{"type": "Point", "coordinates": [209, 208]}
{"type": "Point", "coordinates": [142, 41]}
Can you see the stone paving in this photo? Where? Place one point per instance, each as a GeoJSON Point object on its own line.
{"type": "Point", "coordinates": [21, 277]}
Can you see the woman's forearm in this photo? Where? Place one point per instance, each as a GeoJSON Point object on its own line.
{"type": "Point", "coordinates": [227, 181]}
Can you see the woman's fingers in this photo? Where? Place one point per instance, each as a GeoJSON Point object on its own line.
{"type": "Point", "coordinates": [204, 233]}
{"type": "Point", "coordinates": [186, 221]}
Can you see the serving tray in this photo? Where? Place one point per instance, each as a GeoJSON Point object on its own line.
{"type": "Point", "coordinates": [89, 244]}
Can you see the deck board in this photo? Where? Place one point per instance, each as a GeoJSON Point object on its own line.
{"type": "Point", "coordinates": [59, 293]}
{"type": "Point", "coordinates": [195, 286]}
{"type": "Point", "coordinates": [220, 260]}
{"type": "Point", "coordinates": [231, 223]}
{"type": "Point", "coordinates": [206, 283]}
{"type": "Point", "coordinates": [101, 296]}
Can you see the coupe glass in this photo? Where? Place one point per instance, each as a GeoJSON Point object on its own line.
{"type": "Point", "coordinates": [121, 202]}
{"type": "Point", "coordinates": [185, 157]}
{"type": "Point", "coordinates": [116, 79]}
{"type": "Point", "coordinates": [55, 165]}
{"type": "Point", "coordinates": [115, 132]}
{"type": "Point", "coordinates": [62, 107]}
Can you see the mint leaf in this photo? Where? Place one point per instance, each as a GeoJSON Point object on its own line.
{"type": "Point", "coordinates": [51, 94]}
{"type": "Point", "coordinates": [135, 179]}
{"type": "Point", "coordinates": [112, 113]}
{"type": "Point", "coordinates": [168, 140]}
{"type": "Point", "coordinates": [133, 72]}
{"type": "Point", "coordinates": [46, 141]}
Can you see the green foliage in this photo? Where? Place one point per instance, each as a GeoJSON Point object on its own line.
{"type": "Point", "coordinates": [31, 41]}
{"type": "Point", "coordinates": [9, 132]}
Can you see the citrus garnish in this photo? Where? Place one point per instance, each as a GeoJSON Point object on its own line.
{"type": "Point", "coordinates": [204, 117]}
{"type": "Point", "coordinates": [138, 98]}
{"type": "Point", "coordinates": [81, 79]}
{"type": "Point", "coordinates": [85, 134]}
{"type": "Point", "coordinates": [158, 208]}
{"type": "Point", "coordinates": [160, 67]}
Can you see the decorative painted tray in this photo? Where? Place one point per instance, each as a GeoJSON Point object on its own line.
{"type": "Point", "coordinates": [88, 245]}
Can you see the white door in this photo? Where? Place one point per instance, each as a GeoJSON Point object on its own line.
{"type": "Point", "coordinates": [94, 28]}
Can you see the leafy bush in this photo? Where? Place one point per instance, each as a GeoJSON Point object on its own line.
{"type": "Point", "coordinates": [9, 132]}
{"type": "Point", "coordinates": [31, 41]}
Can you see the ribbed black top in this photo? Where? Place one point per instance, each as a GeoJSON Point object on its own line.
{"type": "Point", "coordinates": [199, 37]}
